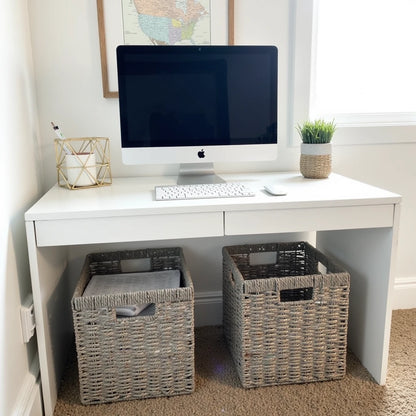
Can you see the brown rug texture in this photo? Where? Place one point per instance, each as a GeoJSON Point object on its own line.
{"type": "Point", "coordinates": [218, 391]}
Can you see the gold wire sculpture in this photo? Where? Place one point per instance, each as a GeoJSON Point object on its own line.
{"type": "Point", "coordinates": [83, 162]}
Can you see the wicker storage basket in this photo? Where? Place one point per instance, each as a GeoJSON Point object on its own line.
{"type": "Point", "coordinates": [149, 355]}
{"type": "Point", "coordinates": [315, 166]}
{"type": "Point", "coordinates": [285, 321]}
{"type": "Point", "coordinates": [315, 160]}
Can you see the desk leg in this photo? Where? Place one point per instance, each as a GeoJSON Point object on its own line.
{"type": "Point", "coordinates": [368, 255]}
{"type": "Point", "coordinates": [50, 288]}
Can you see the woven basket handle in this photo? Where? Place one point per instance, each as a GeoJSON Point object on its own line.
{"type": "Point", "coordinates": [297, 289]}
{"type": "Point", "coordinates": [149, 313]}
{"type": "Point", "coordinates": [300, 294]}
{"type": "Point", "coordinates": [231, 270]}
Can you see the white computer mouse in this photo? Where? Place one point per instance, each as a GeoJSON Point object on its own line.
{"type": "Point", "coordinates": [275, 189]}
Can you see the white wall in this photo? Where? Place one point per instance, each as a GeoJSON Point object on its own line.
{"type": "Point", "coordinates": [20, 172]}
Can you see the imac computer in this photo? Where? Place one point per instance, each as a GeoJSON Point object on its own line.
{"type": "Point", "coordinates": [196, 105]}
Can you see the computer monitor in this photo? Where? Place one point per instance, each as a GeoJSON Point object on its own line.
{"type": "Point", "coordinates": [196, 105]}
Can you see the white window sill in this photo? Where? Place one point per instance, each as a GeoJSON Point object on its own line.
{"type": "Point", "coordinates": [391, 134]}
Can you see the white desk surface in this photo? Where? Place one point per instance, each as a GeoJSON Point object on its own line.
{"type": "Point", "coordinates": [135, 196]}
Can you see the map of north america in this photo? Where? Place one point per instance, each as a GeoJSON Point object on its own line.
{"type": "Point", "coordinates": [166, 22]}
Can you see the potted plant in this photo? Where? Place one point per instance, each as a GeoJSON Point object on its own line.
{"type": "Point", "coordinates": [316, 148]}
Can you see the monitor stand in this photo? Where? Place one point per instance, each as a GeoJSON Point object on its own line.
{"type": "Point", "coordinates": [197, 173]}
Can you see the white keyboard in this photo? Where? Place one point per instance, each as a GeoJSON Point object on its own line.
{"type": "Point", "coordinates": [196, 191]}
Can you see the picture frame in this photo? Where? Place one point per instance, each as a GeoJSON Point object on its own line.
{"type": "Point", "coordinates": [109, 15]}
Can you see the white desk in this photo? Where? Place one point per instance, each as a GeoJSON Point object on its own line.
{"type": "Point", "coordinates": [354, 222]}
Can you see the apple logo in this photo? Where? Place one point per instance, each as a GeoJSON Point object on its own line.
{"type": "Point", "coordinates": [201, 154]}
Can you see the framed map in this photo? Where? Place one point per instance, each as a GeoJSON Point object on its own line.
{"type": "Point", "coordinates": [159, 22]}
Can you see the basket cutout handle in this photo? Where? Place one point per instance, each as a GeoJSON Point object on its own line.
{"type": "Point", "coordinates": [122, 312]}
{"type": "Point", "coordinates": [231, 277]}
{"type": "Point", "coordinates": [296, 295]}
{"type": "Point", "coordinates": [263, 257]}
{"type": "Point", "coordinates": [298, 288]}
{"type": "Point", "coordinates": [231, 272]}
{"type": "Point", "coordinates": [136, 265]}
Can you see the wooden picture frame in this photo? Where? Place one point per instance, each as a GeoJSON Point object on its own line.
{"type": "Point", "coordinates": [106, 66]}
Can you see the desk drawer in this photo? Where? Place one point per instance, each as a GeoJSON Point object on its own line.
{"type": "Point", "coordinates": [308, 219]}
{"type": "Point", "coordinates": [125, 229]}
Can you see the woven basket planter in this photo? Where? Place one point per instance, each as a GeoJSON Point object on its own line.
{"type": "Point", "coordinates": [134, 357]}
{"type": "Point", "coordinates": [316, 160]}
{"type": "Point", "coordinates": [285, 322]}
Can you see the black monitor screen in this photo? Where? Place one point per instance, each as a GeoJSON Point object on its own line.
{"type": "Point", "coordinates": [197, 95]}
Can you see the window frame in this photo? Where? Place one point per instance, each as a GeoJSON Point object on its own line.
{"type": "Point", "coordinates": [371, 129]}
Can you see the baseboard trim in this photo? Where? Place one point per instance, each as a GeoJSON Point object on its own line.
{"type": "Point", "coordinates": [404, 296]}
{"type": "Point", "coordinates": [208, 308]}
{"type": "Point", "coordinates": [29, 398]}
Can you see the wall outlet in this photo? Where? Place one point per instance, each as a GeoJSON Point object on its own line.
{"type": "Point", "coordinates": [27, 318]}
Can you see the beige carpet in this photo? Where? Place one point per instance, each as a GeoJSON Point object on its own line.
{"type": "Point", "coordinates": [218, 391]}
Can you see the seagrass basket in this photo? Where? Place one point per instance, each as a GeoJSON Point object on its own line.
{"type": "Point", "coordinates": [315, 166]}
{"type": "Point", "coordinates": [285, 313]}
{"type": "Point", "coordinates": [315, 160]}
{"type": "Point", "coordinates": [149, 355]}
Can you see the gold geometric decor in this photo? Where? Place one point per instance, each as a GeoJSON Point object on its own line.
{"type": "Point", "coordinates": [83, 162]}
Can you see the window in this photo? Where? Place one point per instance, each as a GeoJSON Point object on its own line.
{"type": "Point", "coordinates": [361, 67]}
